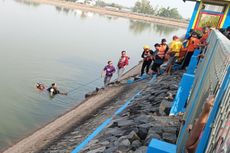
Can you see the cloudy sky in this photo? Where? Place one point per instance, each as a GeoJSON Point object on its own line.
{"type": "Point", "coordinates": [185, 9]}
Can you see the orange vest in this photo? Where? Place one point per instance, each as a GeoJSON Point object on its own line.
{"type": "Point", "coordinates": [193, 44]}
{"type": "Point", "coordinates": [204, 38]}
{"type": "Point", "coordinates": [161, 52]}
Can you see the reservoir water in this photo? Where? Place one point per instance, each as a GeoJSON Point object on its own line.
{"type": "Point", "coordinates": [42, 43]}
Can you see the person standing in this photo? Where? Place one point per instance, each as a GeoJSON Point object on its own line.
{"type": "Point", "coordinates": [108, 72]}
{"type": "Point", "coordinates": [164, 46]}
{"type": "Point", "coordinates": [174, 52]}
{"type": "Point", "coordinates": [122, 63]}
{"type": "Point", "coordinates": [147, 56]}
{"type": "Point", "coordinates": [158, 59]}
{"type": "Point", "coordinates": [193, 43]}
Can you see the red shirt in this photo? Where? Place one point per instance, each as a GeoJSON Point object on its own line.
{"type": "Point", "coordinates": [123, 61]}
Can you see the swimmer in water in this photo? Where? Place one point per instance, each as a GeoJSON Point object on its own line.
{"type": "Point", "coordinates": [53, 90]}
{"type": "Point", "coordinates": [40, 86]}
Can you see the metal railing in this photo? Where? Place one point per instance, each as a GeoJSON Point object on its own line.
{"type": "Point", "coordinates": [208, 79]}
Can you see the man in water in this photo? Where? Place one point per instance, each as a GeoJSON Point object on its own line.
{"type": "Point", "coordinates": [40, 86]}
{"type": "Point", "coordinates": [53, 90]}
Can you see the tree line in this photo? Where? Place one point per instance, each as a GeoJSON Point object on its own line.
{"type": "Point", "coordinates": [144, 6]}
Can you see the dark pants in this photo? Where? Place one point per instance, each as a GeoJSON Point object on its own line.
{"type": "Point", "coordinates": [145, 64]}
{"type": "Point", "coordinates": [187, 59]}
{"type": "Point", "coordinates": [157, 63]}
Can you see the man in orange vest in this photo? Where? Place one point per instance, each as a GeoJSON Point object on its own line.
{"type": "Point", "coordinates": [159, 58]}
{"type": "Point", "coordinates": [193, 43]}
{"type": "Point", "coordinates": [164, 45]}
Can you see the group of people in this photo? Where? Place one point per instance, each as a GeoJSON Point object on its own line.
{"type": "Point", "coordinates": [177, 51]}
{"type": "Point", "coordinates": [53, 89]}
{"type": "Point", "coordinates": [109, 69]}
{"type": "Point", "coordinates": [156, 57]}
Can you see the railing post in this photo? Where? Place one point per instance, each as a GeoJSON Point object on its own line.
{"type": "Point", "coordinates": [205, 136]}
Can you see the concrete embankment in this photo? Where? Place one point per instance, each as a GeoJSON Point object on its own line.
{"type": "Point", "coordinates": [113, 12]}
{"type": "Point", "coordinates": [131, 131]}
{"type": "Point", "coordinates": [73, 118]}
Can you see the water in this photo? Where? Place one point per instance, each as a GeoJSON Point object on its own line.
{"type": "Point", "coordinates": [41, 43]}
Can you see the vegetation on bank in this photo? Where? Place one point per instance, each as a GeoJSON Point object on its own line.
{"type": "Point", "coordinates": [144, 6]}
{"type": "Point", "coordinates": [141, 6]}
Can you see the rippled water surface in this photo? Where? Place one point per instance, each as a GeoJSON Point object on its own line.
{"type": "Point", "coordinates": [41, 43]}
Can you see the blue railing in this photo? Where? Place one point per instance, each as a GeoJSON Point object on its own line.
{"type": "Point", "coordinates": [211, 77]}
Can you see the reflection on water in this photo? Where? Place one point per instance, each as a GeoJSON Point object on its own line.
{"type": "Point", "coordinates": [138, 27]}
{"type": "Point", "coordinates": [29, 3]}
{"type": "Point", "coordinates": [67, 11]}
{"type": "Point", "coordinates": [69, 47]}
{"type": "Point", "coordinates": [135, 26]}
{"type": "Point", "coordinates": [164, 30]}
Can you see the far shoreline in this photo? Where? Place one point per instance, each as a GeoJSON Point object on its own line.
{"type": "Point", "coordinates": [113, 12]}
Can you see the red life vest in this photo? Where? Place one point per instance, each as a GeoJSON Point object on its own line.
{"type": "Point", "coordinates": [124, 60]}
{"type": "Point", "coordinates": [147, 56]}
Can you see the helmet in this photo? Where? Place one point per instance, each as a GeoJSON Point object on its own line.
{"type": "Point", "coordinates": [146, 47]}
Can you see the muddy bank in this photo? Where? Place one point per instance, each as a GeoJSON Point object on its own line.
{"type": "Point", "coordinates": [125, 14]}
{"type": "Point", "coordinates": [67, 121]}
{"type": "Point", "coordinates": [131, 131]}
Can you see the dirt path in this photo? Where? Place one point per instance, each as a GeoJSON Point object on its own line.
{"type": "Point", "coordinates": [131, 15]}
{"type": "Point", "coordinates": [61, 125]}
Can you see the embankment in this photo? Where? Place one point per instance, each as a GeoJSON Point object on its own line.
{"type": "Point", "coordinates": [64, 123]}
{"type": "Point", "coordinates": [146, 117]}
{"type": "Point", "coordinates": [113, 12]}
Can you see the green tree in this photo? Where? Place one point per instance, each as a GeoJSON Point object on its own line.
{"type": "Point", "coordinates": [169, 12]}
{"type": "Point", "coordinates": [100, 3]}
{"type": "Point", "coordinates": [116, 6]}
{"type": "Point", "coordinates": [143, 6]}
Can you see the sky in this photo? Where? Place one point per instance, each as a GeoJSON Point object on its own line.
{"type": "Point", "coordinates": [185, 9]}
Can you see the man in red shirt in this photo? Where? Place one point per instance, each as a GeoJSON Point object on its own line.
{"type": "Point", "coordinates": [122, 63]}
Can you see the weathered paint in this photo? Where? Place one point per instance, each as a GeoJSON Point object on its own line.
{"type": "Point", "coordinates": [193, 18]}
{"type": "Point", "coordinates": [226, 20]}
